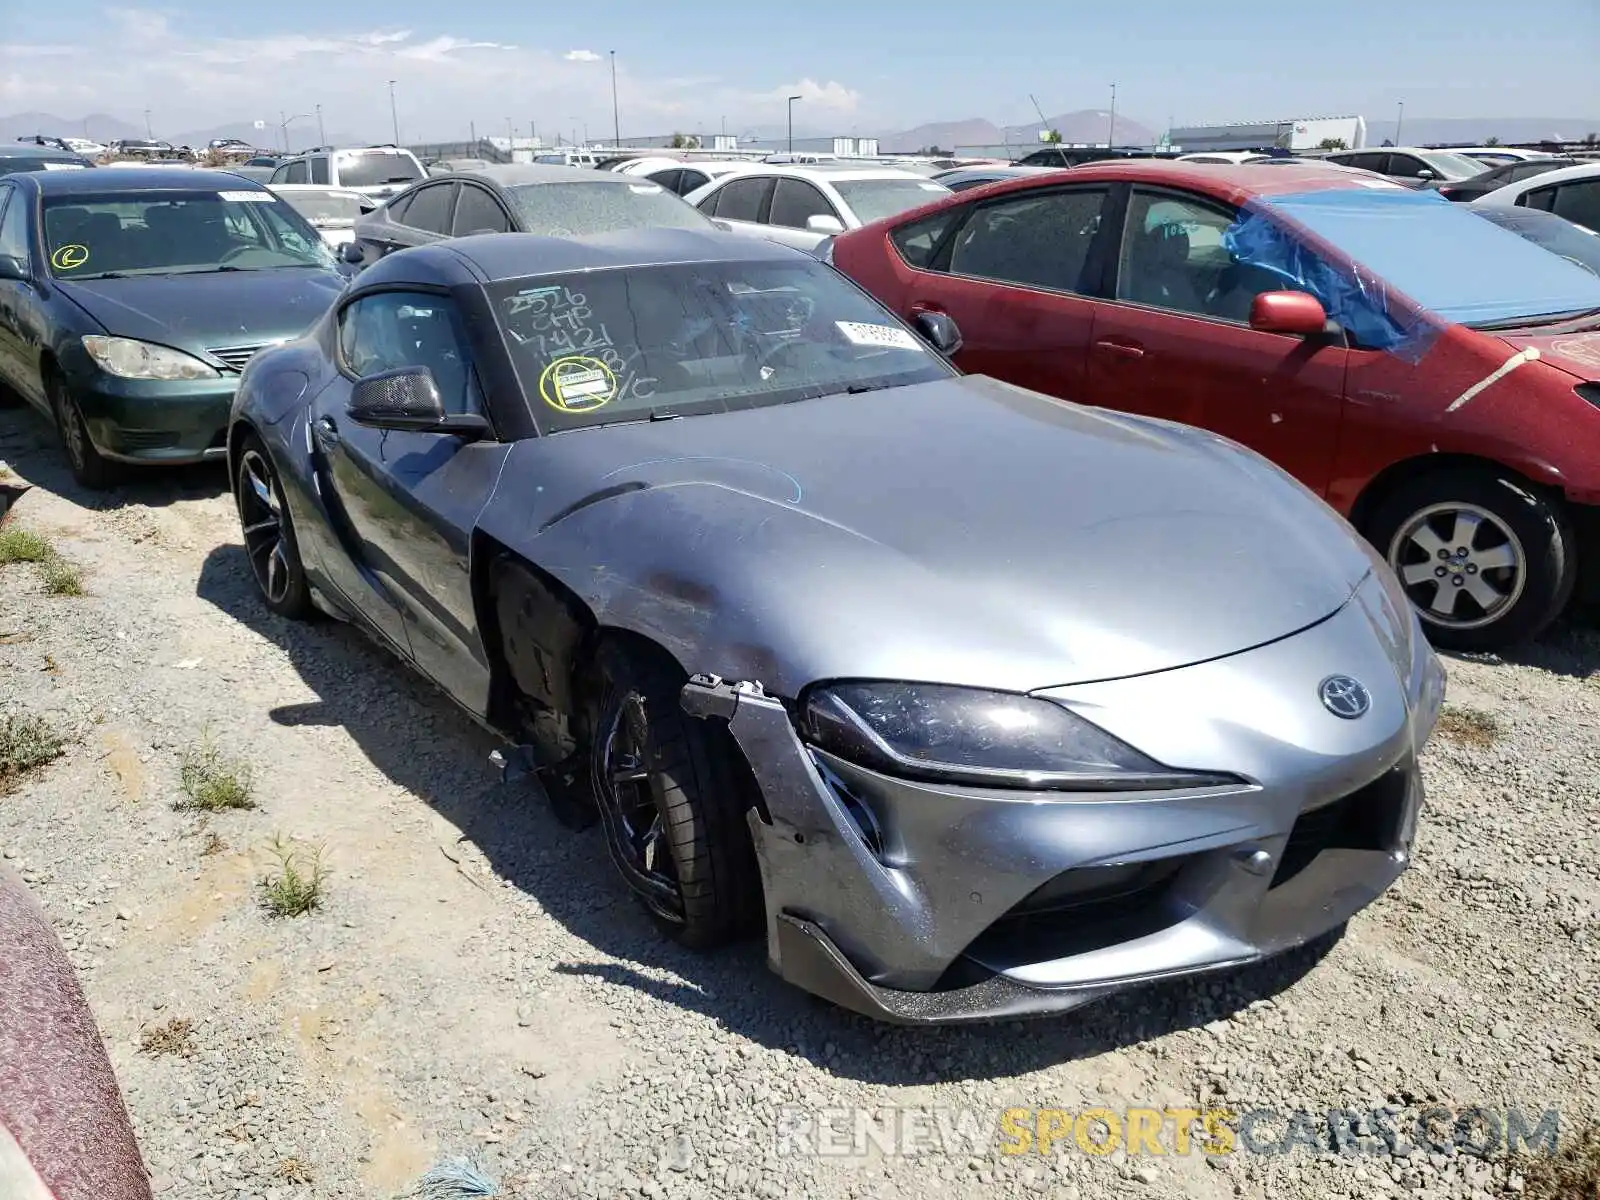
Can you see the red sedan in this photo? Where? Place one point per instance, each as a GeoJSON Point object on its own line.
{"type": "Point", "coordinates": [1428, 373]}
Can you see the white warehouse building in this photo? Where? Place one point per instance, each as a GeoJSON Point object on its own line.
{"type": "Point", "coordinates": [1299, 133]}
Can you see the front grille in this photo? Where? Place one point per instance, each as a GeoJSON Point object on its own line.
{"type": "Point", "coordinates": [1366, 819]}
{"type": "Point", "coordinates": [233, 357]}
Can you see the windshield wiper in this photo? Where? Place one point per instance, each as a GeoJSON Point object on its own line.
{"type": "Point", "coordinates": [96, 275]}
{"type": "Point", "coordinates": [856, 389]}
{"type": "Point", "coordinates": [1535, 322]}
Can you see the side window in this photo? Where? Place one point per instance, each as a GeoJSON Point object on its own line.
{"type": "Point", "coordinates": [296, 172]}
{"type": "Point", "coordinates": [1579, 202]}
{"type": "Point", "coordinates": [1035, 240]}
{"type": "Point", "coordinates": [667, 177]}
{"type": "Point", "coordinates": [1407, 166]}
{"type": "Point", "coordinates": [281, 175]}
{"type": "Point", "coordinates": [918, 240]}
{"type": "Point", "coordinates": [389, 330]}
{"type": "Point", "coordinates": [741, 199]}
{"type": "Point", "coordinates": [795, 201]}
{"type": "Point", "coordinates": [397, 207]}
{"type": "Point", "coordinates": [477, 211]}
{"type": "Point", "coordinates": [429, 209]}
{"type": "Point", "coordinates": [1526, 170]}
{"type": "Point", "coordinates": [1543, 198]}
{"type": "Point", "coordinates": [1367, 162]}
{"type": "Point", "coordinates": [1173, 258]}
{"type": "Point", "coordinates": [319, 169]}
{"type": "Point", "coordinates": [692, 181]}
{"type": "Point", "coordinates": [14, 225]}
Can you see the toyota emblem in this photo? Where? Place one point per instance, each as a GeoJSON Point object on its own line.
{"type": "Point", "coordinates": [1344, 697]}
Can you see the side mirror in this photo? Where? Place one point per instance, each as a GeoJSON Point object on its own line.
{"type": "Point", "coordinates": [940, 332]}
{"type": "Point", "coordinates": [12, 268]}
{"type": "Point", "coordinates": [824, 224]}
{"type": "Point", "coordinates": [722, 225]}
{"type": "Point", "coordinates": [367, 207]}
{"type": "Point", "coordinates": [1288, 312]}
{"type": "Point", "coordinates": [1426, 174]}
{"type": "Point", "coordinates": [407, 399]}
{"type": "Point", "coordinates": [352, 253]}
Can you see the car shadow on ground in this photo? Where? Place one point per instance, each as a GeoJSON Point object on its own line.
{"type": "Point", "coordinates": [30, 445]}
{"type": "Point", "coordinates": [1571, 647]}
{"type": "Point", "coordinates": [423, 743]}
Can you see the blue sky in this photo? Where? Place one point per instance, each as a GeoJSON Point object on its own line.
{"type": "Point", "coordinates": [866, 67]}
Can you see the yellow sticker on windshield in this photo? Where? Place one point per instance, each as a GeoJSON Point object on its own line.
{"type": "Point", "coordinates": [70, 257]}
{"type": "Point", "coordinates": [577, 384]}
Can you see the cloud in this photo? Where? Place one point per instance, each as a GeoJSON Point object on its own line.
{"type": "Point", "coordinates": [446, 80]}
{"type": "Point", "coordinates": [831, 95]}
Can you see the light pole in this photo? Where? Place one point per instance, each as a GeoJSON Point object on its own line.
{"type": "Point", "coordinates": [1399, 121]}
{"type": "Point", "coordinates": [616, 119]}
{"type": "Point", "coordinates": [394, 113]}
{"type": "Point", "coordinates": [1111, 128]}
{"type": "Point", "coordinates": [284, 126]}
{"type": "Point", "coordinates": [322, 134]}
{"type": "Point", "coordinates": [149, 132]}
{"type": "Point", "coordinates": [792, 99]}
{"type": "Point", "coordinates": [511, 136]}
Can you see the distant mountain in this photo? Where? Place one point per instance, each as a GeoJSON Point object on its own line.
{"type": "Point", "coordinates": [1086, 125]}
{"type": "Point", "coordinates": [96, 126]}
{"type": "Point", "coordinates": [946, 135]}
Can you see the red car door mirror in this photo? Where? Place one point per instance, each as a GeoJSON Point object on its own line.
{"type": "Point", "coordinates": [1287, 312]}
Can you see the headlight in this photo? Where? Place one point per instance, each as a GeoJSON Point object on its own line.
{"type": "Point", "coordinates": [131, 359]}
{"type": "Point", "coordinates": [990, 739]}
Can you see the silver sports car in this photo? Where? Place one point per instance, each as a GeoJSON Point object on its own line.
{"type": "Point", "coordinates": [979, 703]}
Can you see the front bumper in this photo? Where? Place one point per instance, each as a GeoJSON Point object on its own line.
{"type": "Point", "coordinates": [156, 420]}
{"type": "Point", "coordinates": [917, 903]}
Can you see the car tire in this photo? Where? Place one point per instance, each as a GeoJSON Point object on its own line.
{"type": "Point", "coordinates": [89, 467]}
{"type": "Point", "coordinates": [673, 793]}
{"type": "Point", "coordinates": [269, 539]}
{"type": "Point", "coordinates": [1457, 538]}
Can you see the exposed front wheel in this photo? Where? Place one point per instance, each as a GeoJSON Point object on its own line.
{"type": "Point", "coordinates": [89, 467]}
{"type": "Point", "coordinates": [673, 795]}
{"type": "Point", "coordinates": [1487, 562]}
{"type": "Point", "coordinates": [269, 540]}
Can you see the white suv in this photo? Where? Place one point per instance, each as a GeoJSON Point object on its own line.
{"type": "Point", "coordinates": [376, 171]}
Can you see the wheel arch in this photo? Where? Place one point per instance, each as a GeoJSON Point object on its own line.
{"type": "Point", "coordinates": [1382, 485]}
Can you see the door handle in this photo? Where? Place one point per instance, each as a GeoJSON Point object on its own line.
{"type": "Point", "coordinates": [922, 306]}
{"type": "Point", "coordinates": [1120, 349]}
{"type": "Point", "coordinates": [327, 431]}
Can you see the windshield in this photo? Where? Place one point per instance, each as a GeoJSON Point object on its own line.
{"type": "Point", "coordinates": [873, 199]}
{"type": "Point", "coordinates": [624, 345]}
{"type": "Point", "coordinates": [1556, 234]}
{"type": "Point", "coordinates": [174, 232]}
{"type": "Point", "coordinates": [1443, 256]}
{"type": "Point", "coordinates": [373, 167]}
{"type": "Point", "coordinates": [1454, 166]}
{"type": "Point", "coordinates": [323, 209]}
{"type": "Point", "coordinates": [576, 209]}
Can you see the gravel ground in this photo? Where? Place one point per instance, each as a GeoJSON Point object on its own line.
{"type": "Point", "coordinates": [477, 984]}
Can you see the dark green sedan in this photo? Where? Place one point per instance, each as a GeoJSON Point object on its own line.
{"type": "Point", "coordinates": [131, 300]}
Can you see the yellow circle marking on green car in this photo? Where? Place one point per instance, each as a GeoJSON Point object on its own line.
{"type": "Point", "coordinates": [577, 383]}
{"type": "Point", "coordinates": [69, 257]}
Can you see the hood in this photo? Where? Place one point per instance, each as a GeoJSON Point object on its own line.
{"type": "Point", "coordinates": [957, 530]}
{"type": "Point", "coordinates": [1575, 353]}
{"type": "Point", "coordinates": [194, 312]}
